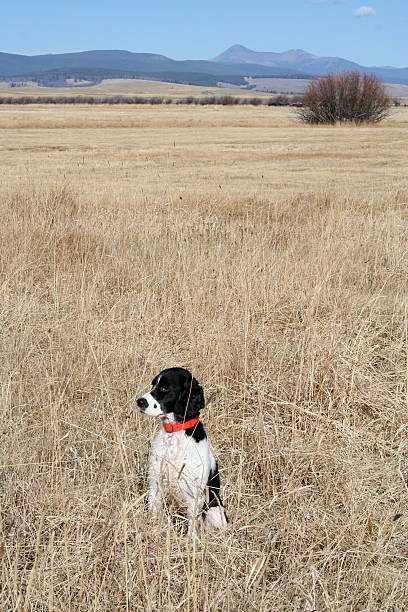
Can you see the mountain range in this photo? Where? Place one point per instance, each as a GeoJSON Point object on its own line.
{"type": "Point", "coordinates": [20, 65]}
{"type": "Point", "coordinates": [230, 66]}
{"type": "Point", "coordinates": [302, 61]}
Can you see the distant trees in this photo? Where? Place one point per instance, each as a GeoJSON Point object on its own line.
{"type": "Point", "coordinates": [225, 100]}
{"type": "Point", "coordinates": [348, 96]}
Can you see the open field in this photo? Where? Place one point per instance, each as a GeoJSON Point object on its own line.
{"type": "Point", "coordinates": [174, 90]}
{"type": "Point", "coordinates": [298, 86]}
{"type": "Point", "coordinates": [268, 257]}
{"type": "Point", "coordinates": [113, 154]}
{"type": "Point", "coordinates": [280, 85]}
{"type": "Point", "coordinates": [127, 87]}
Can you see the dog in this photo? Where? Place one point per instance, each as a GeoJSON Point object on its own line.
{"type": "Point", "coordinates": [181, 463]}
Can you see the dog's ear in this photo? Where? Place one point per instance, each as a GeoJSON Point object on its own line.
{"type": "Point", "coordinates": [196, 397]}
{"type": "Point", "coordinates": [190, 401]}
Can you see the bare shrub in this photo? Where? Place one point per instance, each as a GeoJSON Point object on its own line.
{"type": "Point", "coordinates": [226, 100]}
{"type": "Point", "coordinates": [348, 96]}
{"type": "Point", "coordinates": [254, 101]}
{"type": "Point", "coordinates": [280, 100]}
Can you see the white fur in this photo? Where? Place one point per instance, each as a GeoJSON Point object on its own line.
{"type": "Point", "coordinates": [179, 467]}
{"type": "Point", "coordinates": [215, 518]}
{"type": "Point", "coordinates": [153, 408]}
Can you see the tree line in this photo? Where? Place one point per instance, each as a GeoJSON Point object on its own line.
{"type": "Point", "coordinates": [202, 101]}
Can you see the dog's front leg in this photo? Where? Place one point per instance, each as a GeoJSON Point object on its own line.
{"type": "Point", "coordinates": [155, 501]}
{"type": "Point", "coordinates": [194, 502]}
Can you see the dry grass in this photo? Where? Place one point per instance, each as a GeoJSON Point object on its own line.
{"type": "Point", "coordinates": [289, 305]}
{"type": "Point", "coordinates": [173, 90]}
{"type": "Point", "coordinates": [299, 86]}
{"type": "Point", "coordinates": [167, 152]}
{"type": "Point", "coordinates": [127, 87]}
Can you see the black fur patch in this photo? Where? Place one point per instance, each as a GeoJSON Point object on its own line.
{"type": "Point", "coordinates": [197, 431]}
{"type": "Point", "coordinates": [213, 486]}
{"type": "Point", "coordinates": [177, 391]}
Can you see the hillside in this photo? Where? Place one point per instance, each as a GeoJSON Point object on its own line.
{"type": "Point", "coordinates": [235, 66]}
{"type": "Point", "coordinates": [302, 61]}
{"type": "Point", "coordinates": [96, 65]}
{"type": "Point", "coordinates": [118, 86]}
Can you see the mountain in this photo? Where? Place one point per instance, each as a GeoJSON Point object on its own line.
{"type": "Point", "coordinates": [23, 65]}
{"type": "Point", "coordinates": [293, 58]}
{"type": "Point", "coordinates": [231, 66]}
{"type": "Point", "coordinates": [302, 61]}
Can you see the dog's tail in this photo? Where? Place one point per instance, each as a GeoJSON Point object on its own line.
{"type": "Point", "coordinates": [214, 512]}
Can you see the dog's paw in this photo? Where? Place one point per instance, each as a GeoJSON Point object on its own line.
{"type": "Point", "coordinates": [215, 518]}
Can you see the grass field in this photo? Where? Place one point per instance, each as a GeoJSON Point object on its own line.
{"type": "Point", "coordinates": [116, 87]}
{"type": "Point", "coordinates": [173, 90]}
{"type": "Point", "coordinates": [298, 86]}
{"type": "Point", "coordinates": [268, 257]}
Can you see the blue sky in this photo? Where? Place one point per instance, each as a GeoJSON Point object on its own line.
{"type": "Point", "coordinates": [369, 32]}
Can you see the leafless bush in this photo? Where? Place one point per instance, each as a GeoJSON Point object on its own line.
{"type": "Point", "coordinates": [186, 100]}
{"type": "Point", "coordinates": [280, 100]}
{"type": "Point", "coordinates": [255, 101]}
{"type": "Point", "coordinates": [348, 96]}
{"type": "Point", "coordinates": [226, 100]}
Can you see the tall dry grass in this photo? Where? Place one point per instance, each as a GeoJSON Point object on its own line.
{"type": "Point", "coordinates": [293, 315]}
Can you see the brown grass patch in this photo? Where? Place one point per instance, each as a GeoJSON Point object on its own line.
{"type": "Point", "coordinates": [292, 314]}
{"type": "Point", "coordinates": [291, 310]}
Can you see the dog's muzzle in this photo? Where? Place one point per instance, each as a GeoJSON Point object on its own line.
{"type": "Point", "coordinates": [142, 403]}
{"type": "Point", "coordinates": [149, 405]}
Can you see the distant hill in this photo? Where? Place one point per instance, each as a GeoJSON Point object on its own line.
{"type": "Point", "coordinates": [231, 66]}
{"type": "Point", "coordinates": [83, 77]}
{"type": "Point", "coordinates": [302, 61]}
{"type": "Point", "coordinates": [52, 69]}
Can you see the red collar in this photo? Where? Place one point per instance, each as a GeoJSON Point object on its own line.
{"type": "Point", "coordinates": [170, 427]}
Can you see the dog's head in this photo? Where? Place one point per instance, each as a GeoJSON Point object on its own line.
{"type": "Point", "coordinates": [175, 396]}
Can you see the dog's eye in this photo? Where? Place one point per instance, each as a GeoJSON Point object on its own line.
{"type": "Point", "coordinates": [163, 388]}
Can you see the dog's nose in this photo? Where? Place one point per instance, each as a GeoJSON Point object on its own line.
{"type": "Point", "coordinates": [142, 403]}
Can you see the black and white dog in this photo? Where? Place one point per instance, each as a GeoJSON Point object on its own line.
{"type": "Point", "coordinates": [181, 463]}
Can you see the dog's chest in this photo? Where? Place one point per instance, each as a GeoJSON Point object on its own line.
{"type": "Point", "coordinates": [176, 457]}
